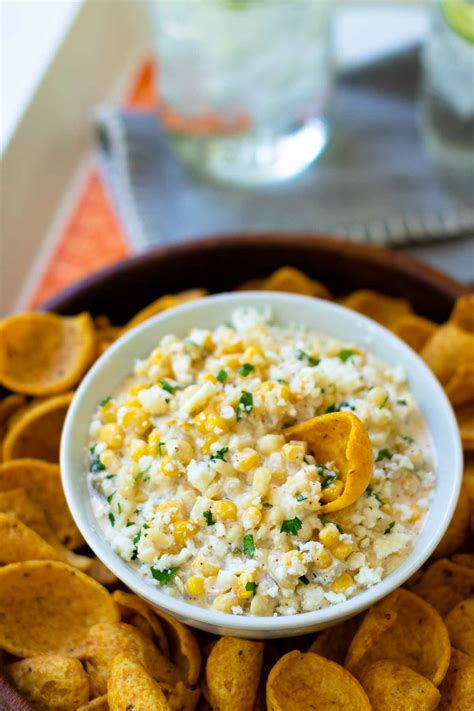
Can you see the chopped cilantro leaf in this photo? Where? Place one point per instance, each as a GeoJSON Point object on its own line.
{"type": "Point", "coordinates": [112, 519]}
{"type": "Point", "coordinates": [220, 454]}
{"type": "Point", "coordinates": [248, 545]}
{"type": "Point", "coordinates": [371, 492]}
{"type": "Point", "coordinates": [311, 360]}
{"type": "Point", "coordinates": [383, 404]}
{"type": "Point", "coordinates": [289, 422]}
{"type": "Point", "coordinates": [282, 381]}
{"type": "Point", "coordinates": [145, 526]}
{"type": "Point", "coordinates": [251, 587]}
{"type": "Point", "coordinates": [331, 408]}
{"type": "Point", "coordinates": [245, 404]}
{"type": "Point", "coordinates": [267, 505]}
{"type": "Point", "coordinates": [222, 376]}
{"type": "Point", "coordinates": [245, 369]}
{"type": "Point", "coordinates": [389, 528]}
{"type": "Point", "coordinates": [346, 353]}
{"type": "Point", "coordinates": [291, 526]}
{"type": "Point", "coordinates": [110, 476]}
{"type": "Point", "coordinates": [129, 523]}
{"type": "Point", "coordinates": [160, 448]}
{"type": "Point", "coordinates": [163, 576]}
{"type": "Point", "coordinates": [119, 507]}
{"type": "Point", "coordinates": [109, 498]}
{"type": "Point", "coordinates": [402, 402]}
{"type": "Point", "coordinates": [105, 401]}
{"type": "Point", "coordinates": [92, 449]}
{"type": "Point", "coordinates": [168, 387]}
{"type": "Point", "coordinates": [383, 454]}
{"type": "Point", "coordinates": [300, 497]}
{"type": "Point", "coordinates": [304, 579]}
{"type": "Point", "coordinates": [409, 440]}
{"type": "Point", "coordinates": [208, 516]}
{"type": "Point", "coordinates": [96, 465]}
{"type": "Point", "coordinates": [136, 538]}
{"type": "Point", "coordinates": [140, 474]}
{"type": "Point", "coordinates": [328, 479]}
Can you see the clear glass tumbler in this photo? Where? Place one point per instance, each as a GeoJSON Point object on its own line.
{"type": "Point", "coordinates": [447, 98]}
{"type": "Point", "coordinates": [244, 85]}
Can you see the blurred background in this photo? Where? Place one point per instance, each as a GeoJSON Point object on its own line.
{"type": "Point", "coordinates": [125, 124]}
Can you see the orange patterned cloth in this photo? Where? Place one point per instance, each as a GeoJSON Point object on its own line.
{"type": "Point", "coordinates": [93, 237]}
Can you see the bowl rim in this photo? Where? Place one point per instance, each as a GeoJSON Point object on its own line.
{"type": "Point", "coordinates": [336, 245]}
{"type": "Point", "coordinates": [298, 623]}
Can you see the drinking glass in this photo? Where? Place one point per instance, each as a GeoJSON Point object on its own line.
{"type": "Point", "coordinates": [244, 85]}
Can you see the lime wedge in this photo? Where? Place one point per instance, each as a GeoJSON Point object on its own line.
{"type": "Point", "coordinates": [459, 14]}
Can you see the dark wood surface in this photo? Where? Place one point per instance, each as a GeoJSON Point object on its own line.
{"type": "Point", "coordinates": [221, 263]}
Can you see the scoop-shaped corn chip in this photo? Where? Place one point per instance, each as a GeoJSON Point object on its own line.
{"type": "Point", "coordinates": [8, 406]}
{"type": "Point", "coordinates": [333, 642]}
{"type": "Point", "coordinates": [184, 650]}
{"type": "Point", "coordinates": [42, 483]}
{"type": "Point", "coordinates": [43, 353]}
{"type": "Point", "coordinates": [465, 559]}
{"type": "Point", "coordinates": [303, 681]}
{"type": "Point", "coordinates": [458, 529]}
{"type": "Point", "coordinates": [181, 697]}
{"type": "Point", "coordinates": [460, 624]}
{"type": "Point", "coordinates": [131, 605]}
{"type": "Point", "coordinates": [465, 418]}
{"type": "Point", "coordinates": [164, 303]}
{"type": "Point", "coordinates": [17, 503]}
{"type": "Point", "coordinates": [457, 689]}
{"type": "Point", "coordinates": [379, 307]}
{"type": "Point", "coordinates": [37, 433]}
{"type": "Point", "coordinates": [233, 674]}
{"type": "Point", "coordinates": [391, 686]}
{"type": "Point", "coordinates": [48, 607]}
{"type": "Point", "coordinates": [295, 282]}
{"type": "Point", "coordinates": [448, 348]}
{"type": "Point", "coordinates": [131, 688]}
{"type": "Point", "coordinates": [106, 640]}
{"type": "Point", "coordinates": [415, 637]}
{"type": "Point", "coordinates": [460, 387]}
{"type": "Point", "coordinates": [251, 285]}
{"type": "Point", "coordinates": [339, 437]}
{"type": "Point", "coordinates": [19, 543]}
{"type": "Point", "coordinates": [98, 704]}
{"type": "Point", "coordinates": [463, 313]}
{"type": "Point", "coordinates": [414, 330]}
{"type": "Point", "coordinates": [445, 584]}
{"type": "Point", "coordinates": [51, 682]}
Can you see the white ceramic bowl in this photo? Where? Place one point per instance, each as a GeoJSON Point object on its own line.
{"type": "Point", "coordinates": [324, 316]}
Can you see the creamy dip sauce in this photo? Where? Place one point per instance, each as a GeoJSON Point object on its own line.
{"type": "Point", "coordinates": [194, 484]}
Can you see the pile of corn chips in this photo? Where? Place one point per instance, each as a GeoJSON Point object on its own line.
{"type": "Point", "coordinates": [72, 638]}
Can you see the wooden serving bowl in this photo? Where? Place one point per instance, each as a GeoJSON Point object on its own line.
{"type": "Point", "coordinates": [221, 263]}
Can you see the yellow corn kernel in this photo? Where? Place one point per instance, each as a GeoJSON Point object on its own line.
{"type": "Point", "coordinates": [225, 510]}
{"type": "Point", "coordinates": [110, 461]}
{"type": "Point", "coordinates": [254, 355]}
{"type": "Point", "coordinates": [242, 592]}
{"type": "Point", "coordinates": [209, 440]}
{"type": "Point", "coordinates": [261, 480]}
{"type": "Point", "coordinates": [138, 448]}
{"type": "Point", "coordinates": [108, 412]}
{"type": "Point", "coordinates": [270, 443]}
{"type": "Point", "coordinates": [154, 439]}
{"type": "Point", "coordinates": [292, 557]}
{"type": "Point", "coordinates": [329, 536]}
{"type": "Point", "coordinates": [377, 396]}
{"type": "Point", "coordinates": [180, 449]}
{"type": "Point", "coordinates": [132, 402]}
{"type": "Point", "coordinates": [135, 419]}
{"type": "Point", "coordinates": [341, 583]}
{"type": "Point", "coordinates": [195, 585]}
{"type": "Point", "coordinates": [172, 510]}
{"type": "Point", "coordinates": [161, 540]}
{"type": "Point", "coordinates": [182, 531]}
{"type": "Point", "coordinates": [284, 391]}
{"type": "Point", "coordinates": [135, 389]}
{"type": "Point", "coordinates": [204, 567]}
{"type": "Point", "coordinates": [343, 551]}
{"type": "Point", "coordinates": [322, 559]}
{"type": "Point", "coordinates": [233, 362]}
{"type": "Point", "coordinates": [169, 467]}
{"type": "Point", "coordinates": [112, 435]}
{"type": "Point", "coordinates": [156, 357]}
{"type": "Point", "coordinates": [265, 387]}
{"type": "Point", "coordinates": [209, 422]}
{"type": "Point", "coordinates": [225, 602]}
{"type": "Point", "coordinates": [386, 508]}
{"type": "Point", "coordinates": [246, 460]}
{"type": "Point", "coordinates": [210, 377]}
{"type": "Point", "coordinates": [294, 451]}
{"type": "Point", "coordinates": [333, 491]}
{"type": "Point", "coordinates": [415, 513]}
{"type": "Point", "coordinates": [230, 344]}
{"type": "Point", "coordinates": [251, 517]}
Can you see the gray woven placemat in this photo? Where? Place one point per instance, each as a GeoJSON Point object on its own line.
{"type": "Point", "coordinates": [373, 183]}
